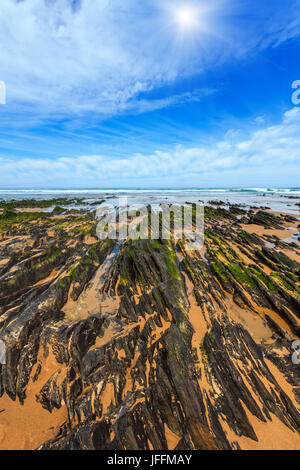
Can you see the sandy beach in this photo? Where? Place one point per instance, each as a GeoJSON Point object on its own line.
{"type": "Point", "coordinates": [98, 332]}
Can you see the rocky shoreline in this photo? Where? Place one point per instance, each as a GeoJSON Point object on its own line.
{"type": "Point", "coordinates": [143, 344]}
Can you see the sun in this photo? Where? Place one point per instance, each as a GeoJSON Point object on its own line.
{"type": "Point", "coordinates": [186, 17]}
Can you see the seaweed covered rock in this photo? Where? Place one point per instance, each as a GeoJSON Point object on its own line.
{"type": "Point", "coordinates": [144, 344]}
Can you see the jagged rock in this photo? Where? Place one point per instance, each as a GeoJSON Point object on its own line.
{"type": "Point", "coordinates": [144, 344]}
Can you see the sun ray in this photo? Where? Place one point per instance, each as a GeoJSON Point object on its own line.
{"type": "Point", "coordinates": [186, 17]}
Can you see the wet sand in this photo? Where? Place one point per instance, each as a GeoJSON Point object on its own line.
{"type": "Point", "coordinates": [27, 427]}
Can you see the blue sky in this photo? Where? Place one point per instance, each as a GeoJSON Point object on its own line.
{"type": "Point", "coordinates": [119, 94]}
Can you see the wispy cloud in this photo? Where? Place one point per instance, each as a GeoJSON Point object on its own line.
{"type": "Point", "coordinates": [72, 67]}
{"type": "Point", "coordinates": [69, 57]}
{"type": "Point", "coordinates": [269, 151]}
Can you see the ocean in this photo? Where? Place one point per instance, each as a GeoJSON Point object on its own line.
{"type": "Point", "coordinates": [276, 199]}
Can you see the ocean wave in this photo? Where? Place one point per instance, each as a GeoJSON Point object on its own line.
{"type": "Point", "coordinates": [41, 192]}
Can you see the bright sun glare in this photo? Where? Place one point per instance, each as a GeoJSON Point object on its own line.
{"type": "Point", "coordinates": [186, 17]}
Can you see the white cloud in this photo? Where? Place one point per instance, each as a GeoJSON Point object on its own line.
{"type": "Point", "coordinates": [260, 120]}
{"type": "Point", "coordinates": [269, 151]}
{"type": "Point", "coordinates": [99, 57]}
